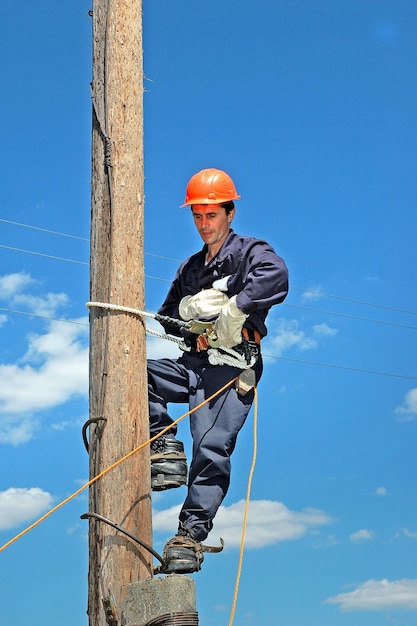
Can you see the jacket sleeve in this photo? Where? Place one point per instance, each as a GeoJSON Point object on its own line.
{"type": "Point", "coordinates": [265, 278]}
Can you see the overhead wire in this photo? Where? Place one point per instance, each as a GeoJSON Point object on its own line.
{"type": "Point", "coordinates": [340, 367]}
{"type": "Point", "coordinates": [44, 317]}
{"type": "Point", "coordinates": [44, 230]}
{"type": "Point", "coordinates": [267, 356]}
{"type": "Point", "coordinates": [350, 316]}
{"type": "Point", "coordinates": [313, 292]}
{"type": "Point", "coordinates": [48, 256]}
{"type": "Point", "coordinates": [286, 304]}
{"type": "Point", "coordinates": [354, 300]}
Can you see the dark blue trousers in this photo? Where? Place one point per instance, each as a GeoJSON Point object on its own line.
{"type": "Point", "coordinates": [214, 428]}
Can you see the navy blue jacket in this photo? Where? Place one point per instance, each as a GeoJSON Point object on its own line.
{"type": "Point", "coordinates": [258, 278]}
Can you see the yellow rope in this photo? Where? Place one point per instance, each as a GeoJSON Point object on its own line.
{"type": "Point", "coordinates": [245, 515]}
{"type": "Point", "coordinates": [108, 469]}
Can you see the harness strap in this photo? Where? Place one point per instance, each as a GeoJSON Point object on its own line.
{"type": "Point", "coordinates": [251, 336]}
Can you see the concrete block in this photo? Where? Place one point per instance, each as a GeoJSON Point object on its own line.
{"type": "Point", "coordinates": [148, 599]}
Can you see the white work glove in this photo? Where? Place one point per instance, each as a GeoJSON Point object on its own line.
{"type": "Point", "coordinates": [228, 326]}
{"type": "Point", "coordinates": [205, 303]}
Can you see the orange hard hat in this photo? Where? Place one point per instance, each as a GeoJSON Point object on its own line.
{"type": "Point", "coordinates": [210, 186]}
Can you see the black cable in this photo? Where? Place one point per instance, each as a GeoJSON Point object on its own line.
{"type": "Point", "coordinates": [93, 420]}
{"type": "Point", "coordinates": [100, 518]}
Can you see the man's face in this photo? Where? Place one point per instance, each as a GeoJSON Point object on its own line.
{"type": "Point", "coordinates": [212, 222]}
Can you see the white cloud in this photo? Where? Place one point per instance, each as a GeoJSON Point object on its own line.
{"type": "Point", "coordinates": [379, 595]}
{"type": "Point", "coordinates": [160, 347]}
{"type": "Point", "coordinates": [53, 370]}
{"type": "Point", "coordinates": [287, 334]}
{"type": "Point", "coordinates": [64, 424]}
{"type": "Point", "coordinates": [18, 429]}
{"type": "Point", "coordinates": [167, 519]}
{"type": "Point", "coordinates": [324, 330]}
{"type": "Point", "coordinates": [314, 293]}
{"type": "Point", "coordinates": [41, 305]}
{"type": "Point", "coordinates": [268, 523]}
{"type": "Point", "coordinates": [13, 288]}
{"type": "Point", "coordinates": [362, 535]}
{"type": "Point", "coordinates": [409, 533]}
{"type": "Point", "coordinates": [55, 367]}
{"type": "Point", "coordinates": [76, 528]}
{"type": "Point", "coordinates": [409, 407]}
{"type": "Point", "coordinates": [381, 491]}
{"type": "Point", "coordinates": [12, 284]}
{"type": "Point", "coordinates": [19, 505]}
{"type": "Point", "coordinates": [326, 542]}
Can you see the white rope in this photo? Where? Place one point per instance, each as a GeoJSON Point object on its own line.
{"type": "Point", "coordinates": [223, 356]}
{"type": "Point", "coordinates": [118, 307]}
{"type": "Point", "coordinates": [181, 344]}
{"type": "Point", "coordinates": [128, 309]}
{"type": "Point", "coordinates": [228, 356]}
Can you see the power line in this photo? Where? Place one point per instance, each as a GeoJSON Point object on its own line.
{"type": "Point", "coordinates": [265, 356]}
{"type": "Point", "coordinates": [379, 306]}
{"type": "Point", "coordinates": [158, 256]}
{"type": "Point", "coordinates": [44, 230]}
{"type": "Point", "coordinates": [341, 367]}
{"type": "Point", "coordinates": [44, 317]}
{"type": "Point", "coordinates": [48, 256]}
{"type": "Point", "coordinates": [295, 306]}
{"type": "Point", "coordinates": [354, 317]}
{"type": "Point", "coordinates": [362, 302]}
{"type": "Point", "coordinates": [165, 258]}
{"type": "Point", "coordinates": [164, 280]}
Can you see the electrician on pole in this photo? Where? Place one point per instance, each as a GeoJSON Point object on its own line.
{"type": "Point", "coordinates": [232, 282]}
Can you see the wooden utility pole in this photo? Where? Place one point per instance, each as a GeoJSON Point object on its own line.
{"type": "Point", "coordinates": [118, 390]}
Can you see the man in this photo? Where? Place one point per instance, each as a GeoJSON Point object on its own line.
{"type": "Point", "coordinates": [233, 281]}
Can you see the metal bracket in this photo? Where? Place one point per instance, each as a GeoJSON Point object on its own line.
{"type": "Point", "coordinates": [100, 518]}
{"type": "Point", "coordinates": [199, 328]}
{"type": "Point", "coordinates": [93, 420]}
{"type": "Point", "coordinates": [206, 329]}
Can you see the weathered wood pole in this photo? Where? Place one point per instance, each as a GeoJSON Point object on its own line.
{"type": "Point", "coordinates": [118, 392]}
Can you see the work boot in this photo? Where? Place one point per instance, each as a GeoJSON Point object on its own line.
{"type": "Point", "coordinates": [168, 463]}
{"type": "Point", "coordinates": [182, 555]}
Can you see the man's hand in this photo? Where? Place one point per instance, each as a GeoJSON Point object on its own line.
{"type": "Point", "coordinates": [205, 303]}
{"type": "Point", "coordinates": [228, 326]}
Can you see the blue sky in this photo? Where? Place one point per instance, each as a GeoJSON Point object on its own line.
{"type": "Point", "coordinates": [310, 105]}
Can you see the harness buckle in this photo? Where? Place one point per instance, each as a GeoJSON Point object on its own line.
{"type": "Point", "coordinates": [206, 334]}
